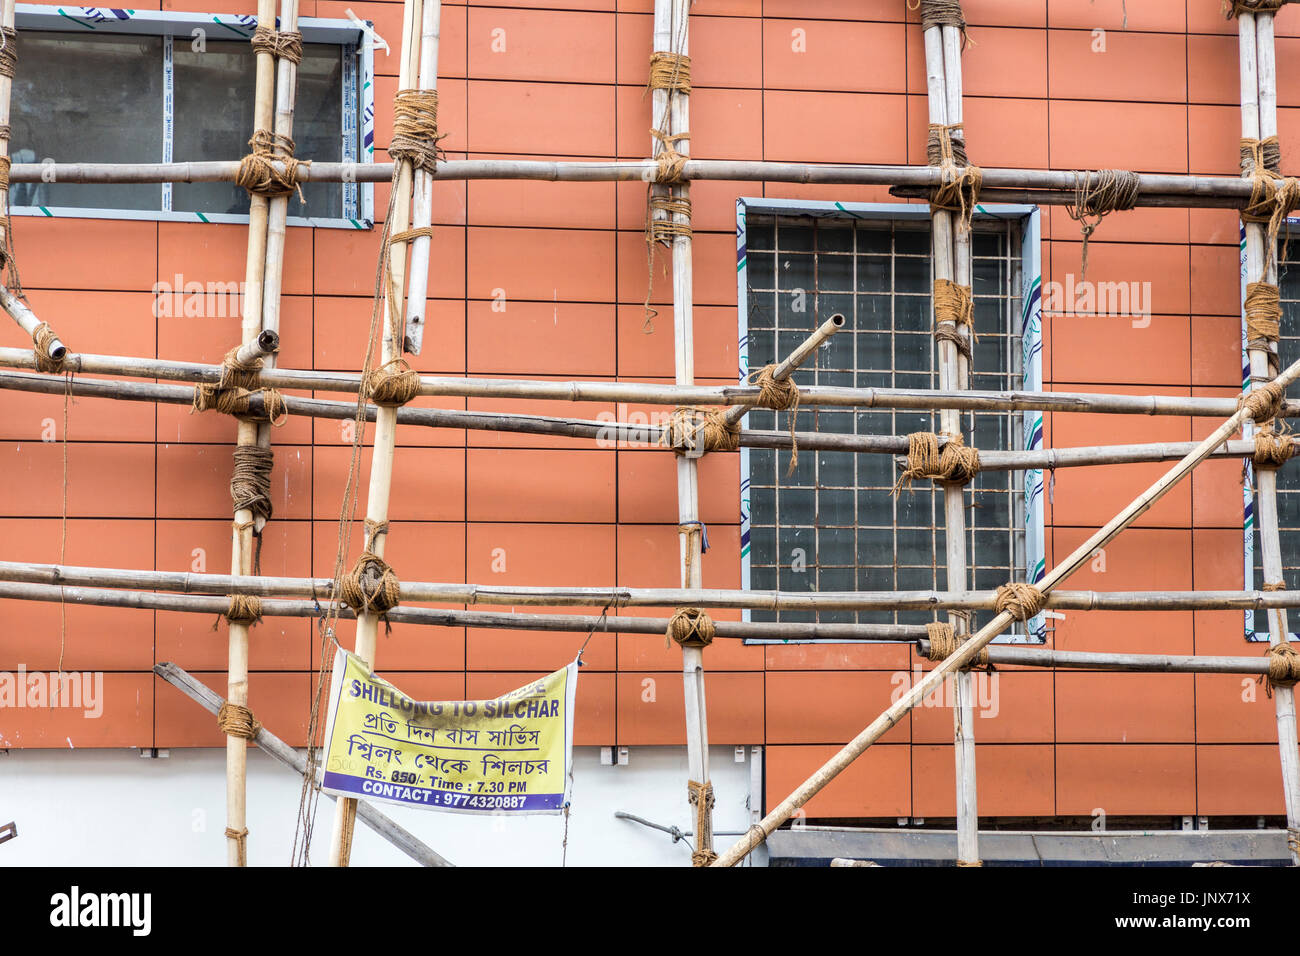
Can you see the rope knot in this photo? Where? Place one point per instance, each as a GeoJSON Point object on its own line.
{"type": "Point", "coordinates": [239, 402]}
{"type": "Point", "coordinates": [1114, 190]}
{"type": "Point", "coordinates": [1022, 601]}
{"type": "Point", "coordinates": [693, 429]}
{"type": "Point", "coordinates": [391, 386]}
{"type": "Point", "coordinates": [1274, 445]}
{"type": "Point", "coordinates": [1232, 8]}
{"type": "Point", "coordinates": [954, 463]}
{"type": "Point", "coordinates": [43, 338]}
{"type": "Point", "coordinates": [282, 46]}
{"type": "Point", "coordinates": [671, 162]}
{"type": "Point", "coordinates": [1264, 401]}
{"type": "Point", "coordinates": [1263, 314]}
{"type": "Point", "coordinates": [691, 627]}
{"type": "Point", "coordinates": [945, 641]}
{"type": "Point", "coordinates": [258, 173]}
{"type": "Point", "coordinates": [415, 135]}
{"type": "Point", "coordinates": [669, 71]}
{"type": "Point", "coordinates": [1283, 666]}
{"type": "Point", "coordinates": [245, 609]}
{"type": "Point", "coordinates": [959, 187]}
{"type": "Point", "coordinates": [371, 586]}
{"type": "Point", "coordinates": [236, 720]}
{"type": "Point", "coordinates": [250, 482]}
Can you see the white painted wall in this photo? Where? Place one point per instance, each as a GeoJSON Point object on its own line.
{"type": "Point", "coordinates": [116, 808]}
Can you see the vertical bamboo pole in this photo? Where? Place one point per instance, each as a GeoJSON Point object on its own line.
{"type": "Point", "coordinates": [416, 17]}
{"type": "Point", "coordinates": [951, 258]}
{"type": "Point", "coordinates": [6, 95]}
{"type": "Point", "coordinates": [671, 28]}
{"type": "Point", "coordinates": [286, 91]}
{"type": "Point", "coordinates": [241, 560]}
{"type": "Point", "coordinates": [1259, 121]}
{"type": "Point", "coordinates": [418, 284]}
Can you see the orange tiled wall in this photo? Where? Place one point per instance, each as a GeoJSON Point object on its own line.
{"type": "Point", "coordinates": [148, 487]}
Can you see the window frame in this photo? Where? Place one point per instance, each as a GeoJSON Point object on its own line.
{"type": "Point", "coordinates": [1029, 220]}
{"type": "Point", "coordinates": [1250, 634]}
{"type": "Point", "coordinates": [356, 104]}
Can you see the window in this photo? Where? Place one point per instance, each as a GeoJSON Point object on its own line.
{"type": "Point", "coordinates": [116, 86]}
{"type": "Point", "coordinates": [832, 525]}
{"type": "Point", "coordinates": [1288, 479]}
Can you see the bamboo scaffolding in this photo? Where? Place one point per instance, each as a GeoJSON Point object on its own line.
{"type": "Point", "coordinates": [951, 256]}
{"type": "Point", "coordinates": [422, 200]}
{"type": "Point", "coordinates": [1047, 459]}
{"type": "Point", "coordinates": [276, 748]}
{"type": "Point", "coordinates": [1132, 663]}
{"type": "Point", "coordinates": [20, 312]}
{"type": "Point", "coordinates": [786, 367]}
{"type": "Point", "coordinates": [418, 19]}
{"type": "Point", "coordinates": [670, 111]}
{"type": "Point", "coordinates": [652, 394]}
{"type": "Point", "coordinates": [241, 560]}
{"type": "Point", "coordinates": [1056, 187]}
{"type": "Point", "coordinates": [187, 582]}
{"type": "Point", "coordinates": [967, 651]}
{"type": "Point", "coordinates": [1259, 121]}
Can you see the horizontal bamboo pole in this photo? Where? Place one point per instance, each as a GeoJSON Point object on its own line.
{"type": "Point", "coordinates": [438, 617]}
{"type": "Point", "coordinates": [613, 432]}
{"type": "Point", "coordinates": [1059, 184]}
{"type": "Point", "coordinates": [185, 582]}
{"type": "Point", "coordinates": [653, 394]}
{"type": "Point", "coordinates": [1141, 663]}
{"type": "Point", "coordinates": [1052, 197]}
{"type": "Point", "coordinates": [967, 651]}
{"type": "Point", "coordinates": [272, 745]}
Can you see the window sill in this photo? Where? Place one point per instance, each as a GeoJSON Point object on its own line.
{"type": "Point", "coordinates": [157, 215]}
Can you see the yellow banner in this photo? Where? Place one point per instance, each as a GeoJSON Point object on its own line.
{"type": "Point", "coordinates": [511, 754]}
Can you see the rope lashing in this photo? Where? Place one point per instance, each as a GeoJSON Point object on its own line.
{"type": "Point", "coordinates": [693, 429]}
{"type": "Point", "coordinates": [700, 796]}
{"type": "Point", "coordinates": [669, 71]}
{"type": "Point", "coordinates": [1114, 190]}
{"type": "Point", "coordinates": [282, 46]}
{"type": "Point", "coordinates": [692, 530]}
{"type": "Point", "coordinates": [415, 129]}
{"type": "Point", "coordinates": [690, 627]}
{"type": "Point", "coordinates": [42, 338]}
{"type": "Point", "coordinates": [1261, 155]}
{"type": "Point", "coordinates": [1233, 8]}
{"type": "Point", "coordinates": [244, 609]}
{"type": "Point", "coordinates": [371, 586]}
{"type": "Point", "coordinates": [239, 403]}
{"type": "Point", "coordinates": [236, 720]}
{"type": "Point", "coordinates": [668, 227]}
{"type": "Point", "coordinates": [944, 642]}
{"type": "Point", "coordinates": [1274, 446]}
{"type": "Point", "coordinates": [1264, 402]}
{"type": "Point", "coordinates": [954, 463]}
{"type": "Point", "coordinates": [241, 840]}
{"type": "Point", "coordinates": [954, 307]}
{"type": "Point", "coordinates": [250, 482]}
{"type": "Point", "coordinates": [1022, 601]}
{"type": "Point", "coordinates": [959, 189]}
{"type": "Point", "coordinates": [393, 383]}
{"type": "Point", "coordinates": [941, 13]}
{"type": "Point", "coordinates": [257, 171]}
{"type": "Point", "coordinates": [8, 52]}
{"type": "Point", "coordinates": [779, 395]}
{"type": "Point", "coordinates": [1283, 666]}
{"type": "Point", "coordinates": [671, 162]}
{"type": "Point", "coordinates": [1263, 314]}
{"type": "Point", "coordinates": [1273, 197]}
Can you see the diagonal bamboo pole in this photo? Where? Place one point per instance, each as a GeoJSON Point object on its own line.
{"type": "Point", "coordinates": [418, 19]}
{"type": "Point", "coordinates": [1259, 121]}
{"type": "Point", "coordinates": [272, 745]}
{"type": "Point", "coordinates": [967, 652]}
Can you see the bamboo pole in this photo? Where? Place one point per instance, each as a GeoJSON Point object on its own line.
{"type": "Point", "coordinates": [272, 745]}
{"type": "Point", "coordinates": [1132, 663]}
{"type": "Point", "coordinates": [967, 651]}
{"type": "Point", "coordinates": [1259, 121]}
{"type": "Point", "coordinates": [671, 112]}
{"type": "Point", "coordinates": [186, 582]}
{"type": "Point", "coordinates": [241, 559]}
{"type": "Point", "coordinates": [418, 285]}
{"type": "Point", "coordinates": [953, 261]}
{"type": "Point", "coordinates": [1051, 458]}
{"type": "Point", "coordinates": [415, 21]}
{"type": "Point", "coordinates": [785, 368]}
{"type": "Point", "coordinates": [18, 309]}
{"type": "Point", "coordinates": [652, 394]}
{"type": "Point", "coordinates": [1057, 187]}
{"type": "Point", "coordinates": [286, 90]}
